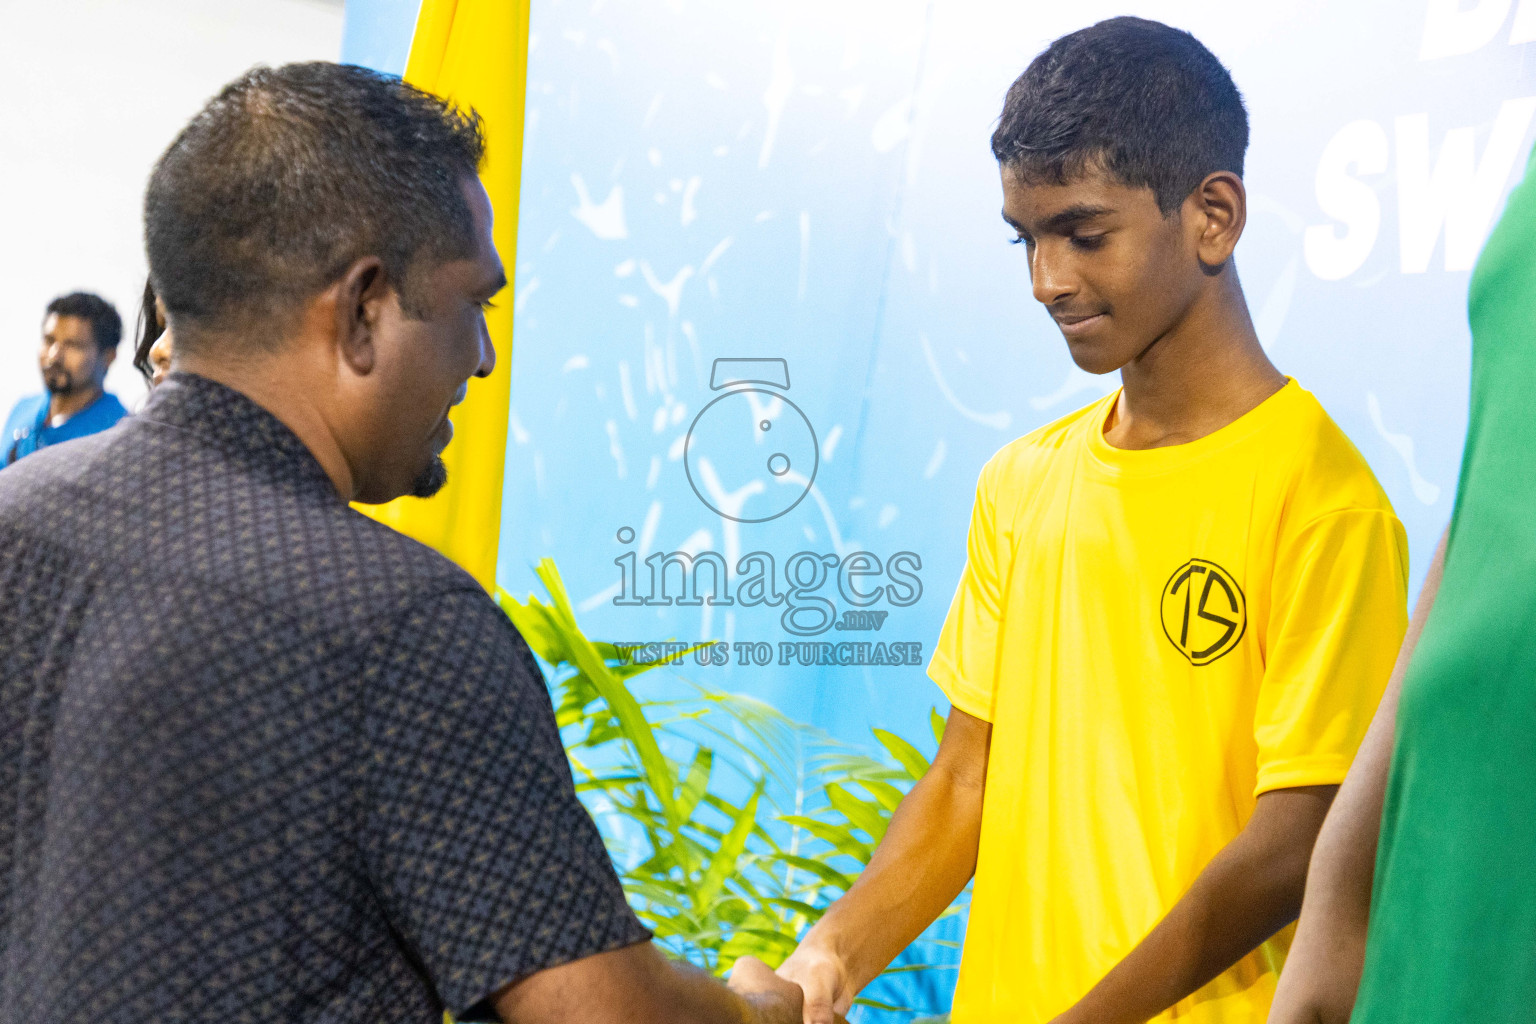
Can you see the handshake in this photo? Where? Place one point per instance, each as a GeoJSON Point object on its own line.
{"type": "Point", "coordinates": [811, 987]}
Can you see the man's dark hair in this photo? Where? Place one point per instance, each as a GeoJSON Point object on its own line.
{"type": "Point", "coordinates": [149, 331]}
{"type": "Point", "coordinates": [1134, 98]}
{"type": "Point", "coordinates": [291, 174]}
{"type": "Point", "coordinates": [106, 325]}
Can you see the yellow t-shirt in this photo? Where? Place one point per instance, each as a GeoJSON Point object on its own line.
{"type": "Point", "coordinates": [1157, 637]}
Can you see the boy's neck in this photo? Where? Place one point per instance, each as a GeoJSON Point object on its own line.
{"type": "Point", "coordinates": [1203, 374]}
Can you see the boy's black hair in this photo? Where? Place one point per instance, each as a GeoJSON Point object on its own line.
{"type": "Point", "coordinates": [1144, 102]}
{"type": "Point", "coordinates": [106, 325]}
{"type": "Point", "coordinates": [292, 173]}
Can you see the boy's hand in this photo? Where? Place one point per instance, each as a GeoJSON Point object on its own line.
{"type": "Point", "coordinates": [824, 978]}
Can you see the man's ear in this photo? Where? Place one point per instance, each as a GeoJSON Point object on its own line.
{"type": "Point", "coordinates": [360, 298]}
{"type": "Point", "coordinates": [1223, 203]}
{"type": "Point", "coordinates": [107, 357]}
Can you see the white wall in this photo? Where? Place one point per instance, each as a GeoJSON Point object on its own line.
{"type": "Point", "coordinates": [91, 92]}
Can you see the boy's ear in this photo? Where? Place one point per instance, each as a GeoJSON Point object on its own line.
{"type": "Point", "coordinates": [361, 292]}
{"type": "Point", "coordinates": [1222, 203]}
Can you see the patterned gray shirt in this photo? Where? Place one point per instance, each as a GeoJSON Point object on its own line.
{"type": "Point", "coordinates": [261, 758]}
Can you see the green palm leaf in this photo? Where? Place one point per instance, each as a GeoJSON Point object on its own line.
{"type": "Point", "coordinates": [905, 753]}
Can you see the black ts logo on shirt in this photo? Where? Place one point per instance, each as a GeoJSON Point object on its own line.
{"type": "Point", "coordinates": [1204, 611]}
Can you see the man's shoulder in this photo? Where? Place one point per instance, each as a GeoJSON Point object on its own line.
{"type": "Point", "coordinates": [24, 412]}
{"type": "Point", "coordinates": [388, 552]}
{"type": "Point", "coordinates": [341, 564]}
{"type": "Point", "coordinates": [110, 407]}
{"type": "Point", "coordinates": [194, 515]}
{"type": "Point", "coordinates": [450, 613]}
{"type": "Point", "coordinates": [442, 621]}
{"type": "Point", "coordinates": [51, 466]}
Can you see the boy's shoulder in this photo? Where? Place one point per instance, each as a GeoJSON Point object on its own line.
{"type": "Point", "coordinates": [1023, 456]}
{"type": "Point", "coordinates": [1319, 467]}
{"type": "Point", "coordinates": [1327, 472]}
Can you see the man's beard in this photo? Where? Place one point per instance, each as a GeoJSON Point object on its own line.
{"type": "Point", "coordinates": [430, 480]}
{"type": "Point", "coordinates": [58, 382]}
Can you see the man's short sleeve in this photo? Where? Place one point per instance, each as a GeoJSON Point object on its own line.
{"type": "Point", "coordinates": [1339, 610]}
{"type": "Point", "coordinates": [964, 662]}
{"type": "Point", "coordinates": [486, 863]}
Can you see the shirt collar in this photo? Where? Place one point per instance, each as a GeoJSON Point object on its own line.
{"type": "Point", "coordinates": [97, 404]}
{"type": "Point", "coordinates": [228, 419]}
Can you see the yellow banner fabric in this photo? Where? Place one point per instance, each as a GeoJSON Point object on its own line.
{"type": "Point", "coordinates": [475, 53]}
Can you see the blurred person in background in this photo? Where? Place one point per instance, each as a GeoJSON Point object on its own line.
{"type": "Point", "coordinates": [152, 350]}
{"type": "Point", "coordinates": [80, 336]}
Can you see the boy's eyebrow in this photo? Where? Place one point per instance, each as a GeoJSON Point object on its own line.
{"type": "Point", "coordinates": [1072, 216]}
{"type": "Point", "coordinates": [1063, 220]}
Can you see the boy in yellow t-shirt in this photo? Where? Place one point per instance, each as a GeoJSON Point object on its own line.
{"type": "Point", "coordinates": [1179, 608]}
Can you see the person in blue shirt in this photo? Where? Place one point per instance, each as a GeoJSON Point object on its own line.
{"type": "Point", "coordinates": [80, 336]}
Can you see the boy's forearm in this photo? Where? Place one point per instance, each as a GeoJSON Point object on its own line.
{"type": "Point", "coordinates": [1250, 890]}
{"type": "Point", "coordinates": [927, 855]}
{"type": "Point", "coordinates": [926, 858]}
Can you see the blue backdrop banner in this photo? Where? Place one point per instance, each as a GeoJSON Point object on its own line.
{"type": "Point", "coordinates": [768, 328]}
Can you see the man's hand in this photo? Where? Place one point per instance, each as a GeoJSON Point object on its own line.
{"type": "Point", "coordinates": [823, 976]}
{"type": "Point", "coordinates": [638, 985]}
{"type": "Point", "coordinates": [773, 999]}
